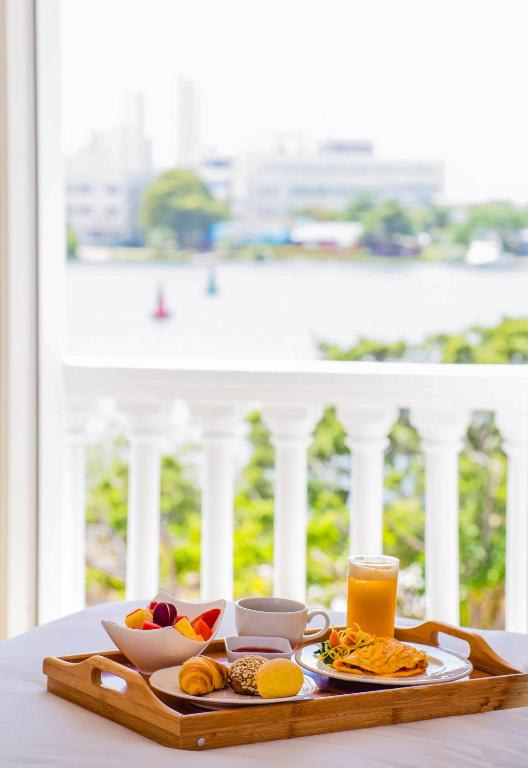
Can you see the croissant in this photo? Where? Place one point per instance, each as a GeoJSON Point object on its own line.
{"type": "Point", "coordinates": [200, 675]}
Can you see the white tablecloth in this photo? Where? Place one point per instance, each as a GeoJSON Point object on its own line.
{"type": "Point", "coordinates": [39, 729]}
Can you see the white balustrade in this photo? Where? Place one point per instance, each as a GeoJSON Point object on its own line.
{"type": "Point", "coordinates": [73, 528]}
{"type": "Point", "coordinates": [145, 422]}
{"type": "Point", "coordinates": [513, 425]}
{"type": "Point", "coordinates": [291, 396]}
{"type": "Point", "coordinates": [441, 434]}
{"type": "Point", "coordinates": [367, 431]}
{"type": "Point", "coordinates": [221, 429]}
{"type": "Point", "coordinates": [291, 429]}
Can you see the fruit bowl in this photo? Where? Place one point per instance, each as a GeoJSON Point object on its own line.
{"type": "Point", "coordinates": [165, 647]}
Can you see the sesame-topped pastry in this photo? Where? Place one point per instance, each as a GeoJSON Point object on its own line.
{"type": "Point", "coordinates": [242, 674]}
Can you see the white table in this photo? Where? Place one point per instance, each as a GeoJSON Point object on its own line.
{"type": "Point", "coordinates": [39, 729]}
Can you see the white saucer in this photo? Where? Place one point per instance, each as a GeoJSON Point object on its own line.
{"type": "Point", "coordinates": [167, 681]}
{"type": "Point", "coordinates": [444, 666]}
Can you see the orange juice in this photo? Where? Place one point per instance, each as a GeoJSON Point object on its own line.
{"type": "Point", "coordinates": [371, 599]}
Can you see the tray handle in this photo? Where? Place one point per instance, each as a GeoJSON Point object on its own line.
{"type": "Point", "coordinates": [87, 675]}
{"type": "Point", "coordinates": [481, 655]}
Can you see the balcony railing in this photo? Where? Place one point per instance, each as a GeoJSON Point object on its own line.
{"type": "Point", "coordinates": [367, 396]}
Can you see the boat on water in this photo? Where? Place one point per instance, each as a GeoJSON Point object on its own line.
{"type": "Point", "coordinates": [481, 253]}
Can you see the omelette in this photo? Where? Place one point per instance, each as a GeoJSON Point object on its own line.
{"type": "Point", "coordinates": [385, 657]}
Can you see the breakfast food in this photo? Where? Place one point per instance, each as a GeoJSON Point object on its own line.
{"type": "Point", "coordinates": [341, 642]}
{"type": "Point", "coordinates": [210, 616]}
{"type": "Point", "coordinates": [386, 657]}
{"type": "Point", "coordinates": [184, 627]}
{"type": "Point", "coordinates": [356, 652]}
{"type": "Point", "coordinates": [162, 614]}
{"type": "Point", "coordinates": [201, 628]}
{"type": "Point", "coordinates": [278, 678]}
{"type": "Point", "coordinates": [150, 625]}
{"type": "Point", "coordinates": [200, 675]}
{"type": "Point", "coordinates": [135, 619]}
{"type": "Point", "coordinates": [242, 674]}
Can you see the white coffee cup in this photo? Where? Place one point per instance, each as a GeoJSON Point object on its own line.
{"type": "Point", "coordinates": [277, 617]}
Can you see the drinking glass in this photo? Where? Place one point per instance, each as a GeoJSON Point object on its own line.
{"type": "Point", "coordinates": [371, 599]}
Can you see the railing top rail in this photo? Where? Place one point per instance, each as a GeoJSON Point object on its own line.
{"type": "Point", "coordinates": [370, 384]}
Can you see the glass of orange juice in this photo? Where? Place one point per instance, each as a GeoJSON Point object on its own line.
{"type": "Point", "coordinates": [371, 599]}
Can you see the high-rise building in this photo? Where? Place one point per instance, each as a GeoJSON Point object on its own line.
{"type": "Point", "coordinates": [187, 124]}
{"type": "Point", "coordinates": [105, 180]}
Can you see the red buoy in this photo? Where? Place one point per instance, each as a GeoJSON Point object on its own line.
{"type": "Point", "coordinates": [160, 312]}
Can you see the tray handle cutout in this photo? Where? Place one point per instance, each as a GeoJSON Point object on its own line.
{"type": "Point", "coordinates": [481, 655]}
{"type": "Point", "coordinates": [92, 675]}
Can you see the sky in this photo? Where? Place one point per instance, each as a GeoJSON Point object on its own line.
{"type": "Point", "coordinates": [423, 79]}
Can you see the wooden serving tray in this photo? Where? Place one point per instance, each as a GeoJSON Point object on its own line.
{"type": "Point", "coordinates": [107, 684]}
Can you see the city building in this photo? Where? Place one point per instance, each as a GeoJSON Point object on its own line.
{"type": "Point", "coordinates": [279, 183]}
{"type": "Point", "coordinates": [105, 180]}
{"type": "Point", "coordinates": [187, 136]}
{"type": "Point", "coordinates": [216, 172]}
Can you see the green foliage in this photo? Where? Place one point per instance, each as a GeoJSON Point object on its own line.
{"type": "Point", "coordinates": [358, 207]}
{"type": "Point", "coordinates": [178, 206]}
{"type": "Point", "coordinates": [72, 243]}
{"type": "Point", "coordinates": [365, 349]}
{"type": "Point", "coordinates": [503, 218]}
{"type": "Point", "coordinates": [387, 220]}
{"type": "Point", "coordinates": [390, 227]}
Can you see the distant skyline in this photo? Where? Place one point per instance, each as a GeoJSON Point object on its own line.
{"type": "Point", "coordinates": [436, 80]}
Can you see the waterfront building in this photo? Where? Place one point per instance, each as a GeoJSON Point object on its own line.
{"type": "Point", "coordinates": [188, 146]}
{"type": "Point", "coordinates": [282, 182]}
{"type": "Point", "coordinates": [105, 180]}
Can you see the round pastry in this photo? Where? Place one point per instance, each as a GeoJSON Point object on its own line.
{"type": "Point", "coordinates": [278, 679]}
{"type": "Point", "coordinates": [242, 674]}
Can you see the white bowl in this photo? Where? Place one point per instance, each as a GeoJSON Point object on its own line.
{"type": "Point", "coordinates": [154, 649]}
{"type": "Point", "coordinates": [233, 643]}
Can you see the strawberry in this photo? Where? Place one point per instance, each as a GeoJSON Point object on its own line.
{"type": "Point", "coordinates": [210, 617]}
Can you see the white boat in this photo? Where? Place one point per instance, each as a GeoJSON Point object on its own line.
{"type": "Point", "coordinates": [483, 252]}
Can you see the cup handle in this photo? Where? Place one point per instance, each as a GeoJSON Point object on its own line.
{"type": "Point", "coordinates": [309, 638]}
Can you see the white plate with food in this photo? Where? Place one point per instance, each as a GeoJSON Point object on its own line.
{"type": "Point", "coordinates": [168, 681]}
{"type": "Point", "coordinates": [355, 656]}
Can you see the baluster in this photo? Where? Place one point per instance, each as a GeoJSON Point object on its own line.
{"type": "Point", "coordinates": [291, 429]}
{"type": "Point", "coordinates": [144, 426]}
{"type": "Point", "coordinates": [514, 428]}
{"type": "Point", "coordinates": [73, 528]}
{"type": "Point", "coordinates": [367, 431]}
{"type": "Point", "coordinates": [441, 433]}
{"type": "Point", "coordinates": [221, 429]}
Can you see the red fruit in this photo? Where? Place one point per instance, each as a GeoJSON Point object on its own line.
{"type": "Point", "coordinates": [210, 617]}
{"type": "Point", "coordinates": [179, 618]}
{"type": "Point", "coordinates": [164, 614]}
{"type": "Point", "coordinates": [201, 628]}
{"type": "Point", "coordinates": [150, 625]}
{"type": "Point", "coordinates": [152, 605]}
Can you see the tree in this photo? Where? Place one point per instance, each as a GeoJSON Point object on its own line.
{"type": "Point", "coordinates": [501, 218]}
{"type": "Point", "coordinates": [180, 207]}
{"type": "Point", "coordinates": [72, 243]}
{"type": "Point", "coordinates": [387, 220]}
{"type": "Point", "coordinates": [359, 206]}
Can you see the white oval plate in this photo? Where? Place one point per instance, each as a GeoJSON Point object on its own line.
{"type": "Point", "coordinates": [444, 666]}
{"type": "Point", "coordinates": [167, 681]}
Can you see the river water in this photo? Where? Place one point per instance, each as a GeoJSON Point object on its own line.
{"type": "Point", "coordinates": [279, 310]}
